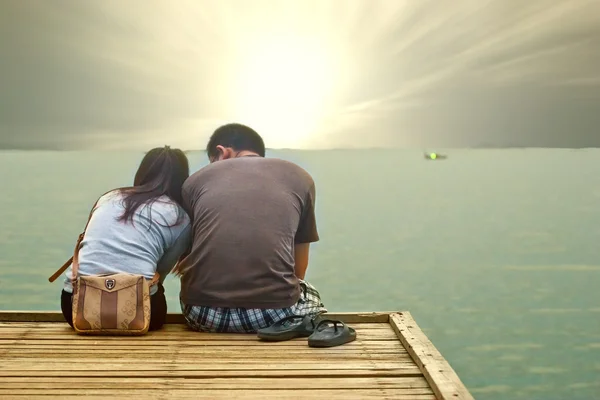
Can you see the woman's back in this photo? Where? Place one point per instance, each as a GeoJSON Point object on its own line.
{"type": "Point", "coordinates": [157, 234]}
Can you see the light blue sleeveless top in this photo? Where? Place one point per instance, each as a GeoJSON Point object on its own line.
{"type": "Point", "coordinates": [148, 245]}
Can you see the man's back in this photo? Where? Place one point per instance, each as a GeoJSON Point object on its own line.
{"type": "Point", "coordinates": [247, 214]}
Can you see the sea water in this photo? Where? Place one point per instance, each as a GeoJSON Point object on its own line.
{"type": "Point", "coordinates": [494, 252]}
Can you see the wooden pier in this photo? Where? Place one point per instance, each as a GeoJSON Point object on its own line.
{"type": "Point", "coordinates": [41, 356]}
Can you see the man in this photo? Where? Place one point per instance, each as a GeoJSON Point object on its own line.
{"type": "Point", "coordinates": [253, 219]}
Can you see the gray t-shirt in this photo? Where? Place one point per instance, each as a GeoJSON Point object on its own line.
{"type": "Point", "coordinates": [148, 245]}
{"type": "Point", "coordinates": [248, 213]}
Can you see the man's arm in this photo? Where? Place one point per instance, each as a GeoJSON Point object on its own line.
{"type": "Point", "coordinates": [301, 259]}
{"type": "Point", "coordinates": [306, 234]}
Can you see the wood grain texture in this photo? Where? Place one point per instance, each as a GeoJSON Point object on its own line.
{"type": "Point", "coordinates": [253, 394]}
{"type": "Point", "coordinates": [441, 377]}
{"type": "Point", "coordinates": [220, 383]}
{"type": "Point", "coordinates": [176, 318]}
{"type": "Point", "coordinates": [42, 357]}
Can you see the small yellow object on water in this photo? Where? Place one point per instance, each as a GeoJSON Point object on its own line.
{"type": "Point", "coordinates": [433, 156]}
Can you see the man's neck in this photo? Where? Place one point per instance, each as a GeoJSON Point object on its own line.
{"type": "Point", "coordinates": [246, 153]}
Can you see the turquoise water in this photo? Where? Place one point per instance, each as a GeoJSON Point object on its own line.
{"type": "Point", "coordinates": [494, 252]}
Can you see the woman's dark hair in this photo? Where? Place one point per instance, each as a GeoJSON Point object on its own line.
{"type": "Point", "coordinates": [161, 173]}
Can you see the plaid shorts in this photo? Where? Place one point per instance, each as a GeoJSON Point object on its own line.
{"type": "Point", "coordinates": [249, 320]}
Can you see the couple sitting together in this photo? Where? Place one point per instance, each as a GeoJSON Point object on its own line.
{"type": "Point", "coordinates": [237, 233]}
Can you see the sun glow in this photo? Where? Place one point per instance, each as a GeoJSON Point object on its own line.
{"type": "Point", "coordinates": [284, 89]}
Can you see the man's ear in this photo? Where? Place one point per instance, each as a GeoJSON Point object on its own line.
{"type": "Point", "coordinates": [224, 152]}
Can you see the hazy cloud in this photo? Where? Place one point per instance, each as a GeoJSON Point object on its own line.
{"type": "Point", "coordinates": [138, 73]}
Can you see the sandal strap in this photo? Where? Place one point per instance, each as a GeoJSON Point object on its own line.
{"type": "Point", "coordinates": [330, 321]}
{"type": "Point", "coordinates": [292, 317]}
{"type": "Point", "coordinates": [281, 321]}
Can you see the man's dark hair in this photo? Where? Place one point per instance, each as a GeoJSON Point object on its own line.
{"type": "Point", "coordinates": [237, 136]}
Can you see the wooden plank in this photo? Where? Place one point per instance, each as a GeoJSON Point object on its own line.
{"type": "Point", "coordinates": [296, 351]}
{"type": "Point", "coordinates": [17, 329]}
{"type": "Point", "coordinates": [173, 329]}
{"type": "Point", "coordinates": [63, 356]}
{"type": "Point", "coordinates": [209, 351]}
{"type": "Point", "coordinates": [31, 316]}
{"type": "Point", "coordinates": [115, 342]}
{"type": "Point", "coordinates": [233, 390]}
{"type": "Point", "coordinates": [224, 395]}
{"type": "Point", "coordinates": [367, 334]}
{"type": "Point", "coordinates": [185, 357]}
{"type": "Point", "coordinates": [374, 342]}
{"type": "Point", "coordinates": [165, 330]}
{"type": "Point", "coordinates": [142, 340]}
{"type": "Point", "coordinates": [176, 318]}
{"type": "Point", "coordinates": [418, 394]}
{"type": "Point", "coordinates": [442, 378]}
{"type": "Point", "coordinates": [204, 341]}
{"type": "Point", "coordinates": [167, 327]}
{"type": "Point", "coordinates": [217, 383]}
{"type": "Point", "coordinates": [411, 371]}
{"type": "Point", "coordinates": [111, 351]}
{"type": "Point", "coordinates": [215, 365]}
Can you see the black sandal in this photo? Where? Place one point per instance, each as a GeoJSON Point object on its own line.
{"type": "Point", "coordinates": [326, 335]}
{"type": "Point", "coordinates": [277, 332]}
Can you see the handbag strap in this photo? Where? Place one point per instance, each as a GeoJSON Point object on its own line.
{"type": "Point", "coordinates": [76, 252]}
{"type": "Point", "coordinates": [75, 258]}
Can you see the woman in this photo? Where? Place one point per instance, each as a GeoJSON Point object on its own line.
{"type": "Point", "coordinates": [142, 229]}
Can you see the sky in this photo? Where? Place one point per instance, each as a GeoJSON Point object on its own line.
{"type": "Point", "coordinates": [113, 74]}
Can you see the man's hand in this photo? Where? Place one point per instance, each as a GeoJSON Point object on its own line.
{"type": "Point", "coordinates": [301, 251]}
{"type": "Point", "coordinates": [178, 269]}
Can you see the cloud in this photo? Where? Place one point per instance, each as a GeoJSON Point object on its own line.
{"type": "Point", "coordinates": [133, 74]}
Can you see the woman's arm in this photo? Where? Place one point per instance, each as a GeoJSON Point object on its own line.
{"type": "Point", "coordinates": [172, 255]}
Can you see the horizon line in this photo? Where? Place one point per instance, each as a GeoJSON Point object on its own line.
{"type": "Point", "coordinates": [421, 148]}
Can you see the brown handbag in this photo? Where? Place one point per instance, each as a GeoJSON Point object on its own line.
{"type": "Point", "coordinates": [110, 304]}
